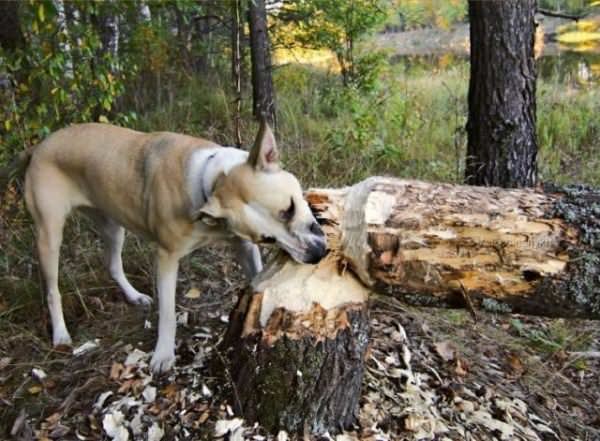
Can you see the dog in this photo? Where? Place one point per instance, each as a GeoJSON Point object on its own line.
{"type": "Point", "coordinates": [179, 191]}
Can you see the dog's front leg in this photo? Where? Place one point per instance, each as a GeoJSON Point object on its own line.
{"type": "Point", "coordinates": [248, 255]}
{"type": "Point", "coordinates": [166, 281]}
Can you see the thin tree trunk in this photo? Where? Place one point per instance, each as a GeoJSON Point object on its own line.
{"type": "Point", "coordinates": [502, 145]}
{"type": "Point", "coordinates": [110, 32]}
{"type": "Point", "coordinates": [144, 14]}
{"type": "Point", "coordinates": [64, 42]}
{"type": "Point", "coordinates": [260, 51]}
{"type": "Point", "coordinates": [11, 36]}
{"type": "Point", "coordinates": [236, 67]}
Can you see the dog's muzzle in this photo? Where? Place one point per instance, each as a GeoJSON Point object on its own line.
{"type": "Point", "coordinates": [317, 246]}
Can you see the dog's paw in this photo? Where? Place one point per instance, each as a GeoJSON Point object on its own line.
{"type": "Point", "coordinates": [162, 362]}
{"type": "Point", "coordinates": [61, 339]}
{"type": "Point", "coordinates": [140, 299]}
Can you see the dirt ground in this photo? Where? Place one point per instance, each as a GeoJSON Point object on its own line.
{"type": "Point", "coordinates": [431, 374]}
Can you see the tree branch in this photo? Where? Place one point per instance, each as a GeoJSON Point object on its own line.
{"type": "Point", "coordinates": [560, 14]}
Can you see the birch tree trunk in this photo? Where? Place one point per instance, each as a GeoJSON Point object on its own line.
{"type": "Point", "coordinates": [64, 43]}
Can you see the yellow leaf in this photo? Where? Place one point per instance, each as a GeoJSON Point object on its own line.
{"type": "Point", "coordinates": [7, 125]}
{"type": "Point", "coordinates": [41, 13]}
{"type": "Point", "coordinates": [103, 119]}
{"type": "Point", "coordinates": [193, 293]}
{"type": "Point", "coordinates": [34, 390]}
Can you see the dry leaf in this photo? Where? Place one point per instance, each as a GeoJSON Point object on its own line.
{"type": "Point", "coordinates": [38, 374]}
{"type": "Point", "coordinates": [445, 349]}
{"type": "Point", "coordinates": [86, 347]}
{"type": "Point", "coordinates": [112, 424]}
{"type": "Point", "coordinates": [34, 390]}
{"type": "Point", "coordinates": [4, 361]}
{"type": "Point", "coordinates": [202, 419]}
{"type": "Point", "coordinates": [515, 363]}
{"type": "Point", "coordinates": [135, 357]}
{"type": "Point", "coordinates": [193, 293]}
{"type": "Point", "coordinates": [155, 433]}
{"type": "Point", "coordinates": [461, 367]}
{"type": "Point", "coordinates": [115, 371]}
{"type": "Point", "coordinates": [222, 427]}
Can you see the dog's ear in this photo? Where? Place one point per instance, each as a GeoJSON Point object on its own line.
{"type": "Point", "coordinates": [210, 212]}
{"type": "Point", "coordinates": [264, 155]}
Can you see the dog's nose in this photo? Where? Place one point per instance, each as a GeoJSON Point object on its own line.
{"type": "Point", "coordinates": [316, 229]}
{"type": "Point", "coordinates": [316, 253]}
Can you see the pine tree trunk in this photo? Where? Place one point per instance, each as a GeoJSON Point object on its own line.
{"type": "Point", "coordinates": [526, 251]}
{"type": "Point", "coordinates": [297, 344]}
{"type": "Point", "coordinates": [260, 52]}
{"type": "Point", "coordinates": [502, 145]}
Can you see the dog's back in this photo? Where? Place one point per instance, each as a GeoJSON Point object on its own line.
{"type": "Point", "coordinates": [112, 169]}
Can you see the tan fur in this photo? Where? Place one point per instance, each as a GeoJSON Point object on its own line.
{"type": "Point", "coordinates": [156, 185]}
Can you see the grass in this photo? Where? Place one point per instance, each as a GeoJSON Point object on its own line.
{"type": "Point", "coordinates": [411, 125]}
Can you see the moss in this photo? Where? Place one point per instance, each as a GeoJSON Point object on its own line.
{"type": "Point", "coordinates": [493, 305]}
{"type": "Point", "coordinates": [580, 207]}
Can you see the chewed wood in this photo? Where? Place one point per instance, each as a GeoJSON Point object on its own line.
{"type": "Point", "coordinates": [433, 243]}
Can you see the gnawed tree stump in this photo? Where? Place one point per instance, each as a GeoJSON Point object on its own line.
{"type": "Point", "coordinates": [297, 343]}
{"type": "Point", "coordinates": [528, 251]}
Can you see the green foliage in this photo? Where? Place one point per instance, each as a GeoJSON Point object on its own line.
{"type": "Point", "coordinates": [414, 14]}
{"type": "Point", "coordinates": [557, 336]}
{"type": "Point", "coordinates": [567, 6]}
{"type": "Point", "coordinates": [58, 78]}
{"type": "Point", "coordinates": [337, 25]}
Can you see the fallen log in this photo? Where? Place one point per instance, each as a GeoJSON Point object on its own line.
{"type": "Point", "coordinates": [298, 337]}
{"type": "Point", "coordinates": [519, 250]}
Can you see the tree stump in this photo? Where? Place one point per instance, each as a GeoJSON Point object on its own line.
{"type": "Point", "coordinates": [298, 340]}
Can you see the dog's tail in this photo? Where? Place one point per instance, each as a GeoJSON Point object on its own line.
{"type": "Point", "coordinates": [14, 168]}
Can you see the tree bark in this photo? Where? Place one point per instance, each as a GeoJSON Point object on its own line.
{"type": "Point", "coordinates": [237, 30]}
{"type": "Point", "coordinates": [260, 52]}
{"type": "Point", "coordinates": [298, 341]}
{"type": "Point", "coordinates": [525, 251]}
{"type": "Point", "coordinates": [502, 144]}
{"type": "Point", "coordinates": [11, 36]}
{"type": "Point", "coordinates": [64, 42]}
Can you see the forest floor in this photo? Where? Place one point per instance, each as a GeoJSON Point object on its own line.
{"type": "Point", "coordinates": [432, 374]}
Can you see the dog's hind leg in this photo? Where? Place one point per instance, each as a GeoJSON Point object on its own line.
{"type": "Point", "coordinates": [49, 213]}
{"type": "Point", "coordinates": [113, 236]}
{"type": "Point", "coordinates": [248, 256]}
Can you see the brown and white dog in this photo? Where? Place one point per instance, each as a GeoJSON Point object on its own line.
{"type": "Point", "coordinates": [179, 191]}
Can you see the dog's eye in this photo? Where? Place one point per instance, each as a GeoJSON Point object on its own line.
{"type": "Point", "coordinates": [288, 214]}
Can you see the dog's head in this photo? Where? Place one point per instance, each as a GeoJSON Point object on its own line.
{"type": "Point", "coordinates": [262, 203]}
